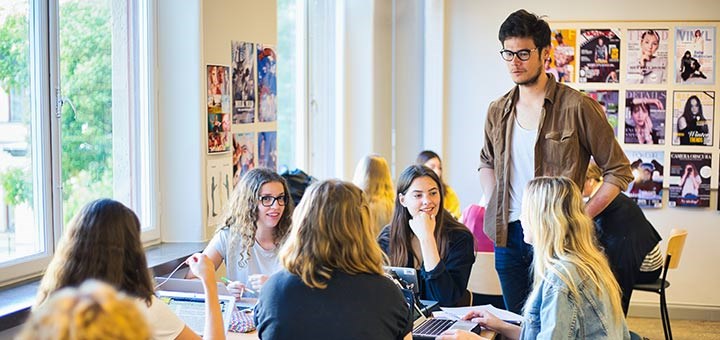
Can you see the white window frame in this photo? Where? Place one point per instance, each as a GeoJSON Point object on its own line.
{"type": "Point", "coordinates": [46, 103]}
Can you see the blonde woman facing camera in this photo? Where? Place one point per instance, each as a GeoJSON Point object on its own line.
{"type": "Point", "coordinates": [575, 295]}
{"type": "Point", "coordinates": [372, 175]}
{"type": "Point", "coordinates": [92, 311]}
{"type": "Point", "coordinates": [333, 285]}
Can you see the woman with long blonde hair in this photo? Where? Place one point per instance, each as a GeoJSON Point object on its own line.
{"type": "Point", "coordinates": [373, 176]}
{"type": "Point", "coordinates": [575, 295]}
{"type": "Point", "coordinates": [257, 220]}
{"type": "Point", "coordinates": [333, 284]}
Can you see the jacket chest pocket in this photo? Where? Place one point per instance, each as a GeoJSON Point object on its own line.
{"type": "Point", "coordinates": [559, 148]}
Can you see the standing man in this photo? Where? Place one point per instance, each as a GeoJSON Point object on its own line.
{"type": "Point", "coordinates": [539, 128]}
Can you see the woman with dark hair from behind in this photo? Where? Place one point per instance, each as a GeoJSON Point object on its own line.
{"type": "Point", "coordinates": [424, 236]}
{"type": "Point", "coordinates": [432, 160]}
{"type": "Point", "coordinates": [333, 285]}
{"type": "Point", "coordinates": [102, 242]}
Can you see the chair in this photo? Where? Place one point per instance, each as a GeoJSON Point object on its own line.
{"type": "Point", "coordinates": [484, 282]}
{"type": "Point", "coordinates": [676, 242]}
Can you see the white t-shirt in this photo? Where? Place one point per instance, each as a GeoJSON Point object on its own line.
{"type": "Point", "coordinates": [261, 261]}
{"type": "Point", "coordinates": [522, 166]}
{"type": "Point", "coordinates": [163, 322]}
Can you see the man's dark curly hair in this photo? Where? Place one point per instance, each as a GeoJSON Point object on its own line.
{"type": "Point", "coordinates": [523, 24]}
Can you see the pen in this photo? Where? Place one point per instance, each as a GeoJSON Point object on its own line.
{"type": "Point", "coordinates": [226, 280]}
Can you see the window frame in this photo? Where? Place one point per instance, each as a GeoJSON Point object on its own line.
{"type": "Point", "coordinates": [46, 108]}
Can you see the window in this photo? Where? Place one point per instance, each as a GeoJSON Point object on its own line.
{"type": "Point", "coordinates": [75, 98]}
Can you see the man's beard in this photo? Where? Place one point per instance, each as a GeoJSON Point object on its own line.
{"type": "Point", "coordinates": [532, 80]}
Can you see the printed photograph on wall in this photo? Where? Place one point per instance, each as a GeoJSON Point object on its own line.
{"type": "Point", "coordinates": [243, 155]}
{"type": "Point", "coordinates": [243, 82]}
{"type": "Point", "coordinates": [647, 56]}
{"type": "Point", "coordinates": [599, 56]}
{"type": "Point", "coordinates": [647, 187]}
{"type": "Point", "coordinates": [695, 55]}
{"type": "Point", "coordinates": [267, 149]}
{"type": "Point", "coordinates": [690, 179]}
{"type": "Point", "coordinates": [219, 188]}
{"type": "Point", "coordinates": [267, 83]}
{"type": "Point", "coordinates": [693, 113]}
{"type": "Point", "coordinates": [608, 100]}
{"type": "Point", "coordinates": [218, 132]}
{"type": "Point", "coordinates": [561, 63]}
{"type": "Point", "coordinates": [218, 89]}
{"type": "Point", "coordinates": [645, 117]}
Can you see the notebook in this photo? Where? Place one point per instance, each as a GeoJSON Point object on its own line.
{"type": "Point", "coordinates": [189, 305]}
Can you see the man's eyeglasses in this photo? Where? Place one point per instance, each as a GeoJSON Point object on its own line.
{"type": "Point", "coordinates": [523, 54]}
{"type": "Point", "coordinates": [268, 201]}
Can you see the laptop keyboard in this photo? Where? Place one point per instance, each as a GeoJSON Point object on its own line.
{"type": "Point", "coordinates": [433, 327]}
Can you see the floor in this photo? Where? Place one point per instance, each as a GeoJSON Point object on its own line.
{"type": "Point", "coordinates": [681, 329]}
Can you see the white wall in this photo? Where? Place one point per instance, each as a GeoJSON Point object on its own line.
{"type": "Point", "coordinates": [191, 34]}
{"type": "Point", "coordinates": [475, 75]}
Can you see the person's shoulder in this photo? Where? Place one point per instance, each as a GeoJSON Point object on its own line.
{"type": "Point", "coordinates": [498, 105]}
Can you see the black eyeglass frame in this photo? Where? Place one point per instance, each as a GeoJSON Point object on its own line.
{"type": "Point", "coordinates": [281, 200]}
{"type": "Point", "coordinates": [517, 53]}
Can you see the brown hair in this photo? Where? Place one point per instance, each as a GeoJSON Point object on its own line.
{"type": "Point", "coordinates": [242, 213]}
{"type": "Point", "coordinates": [331, 232]}
{"type": "Point", "coordinates": [101, 242]}
{"type": "Point", "coordinates": [400, 233]}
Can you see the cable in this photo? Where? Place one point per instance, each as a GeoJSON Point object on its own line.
{"type": "Point", "coordinates": [169, 276]}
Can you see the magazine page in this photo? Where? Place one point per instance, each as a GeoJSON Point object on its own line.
{"type": "Point", "coordinates": [599, 56]}
{"type": "Point", "coordinates": [647, 187]}
{"type": "Point", "coordinates": [608, 100]}
{"type": "Point", "coordinates": [647, 56]}
{"type": "Point", "coordinates": [267, 83]}
{"type": "Point", "coordinates": [695, 55]}
{"type": "Point", "coordinates": [693, 115]}
{"type": "Point", "coordinates": [690, 179]}
{"type": "Point", "coordinates": [243, 81]}
{"type": "Point", "coordinates": [561, 63]}
{"type": "Point", "coordinates": [645, 117]}
{"type": "Point", "coordinates": [243, 155]}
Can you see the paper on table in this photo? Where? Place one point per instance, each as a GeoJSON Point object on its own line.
{"type": "Point", "coordinates": [500, 313]}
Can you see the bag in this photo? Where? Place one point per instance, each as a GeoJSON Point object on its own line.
{"type": "Point", "coordinates": [297, 181]}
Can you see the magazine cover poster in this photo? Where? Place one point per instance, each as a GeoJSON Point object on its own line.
{"type": "Point", "coordinates": [647, 56]}
{"type": "Point", "coordinates": [219, 187]}
{"type": "Point", "coordinates": [647, 168]}
{"type": "Point", "coordinates": [218, 89]}
{"type": "Point", "coordinates": [561, 63]}
{"type": "Point", "coordinates": [690, 179]}
{"type": "Point", "coordinates": [243, 82]}
{"type": "Point", "coordinates": [267, 83]}
{"type": "Point", "coordinates": [218, 132]}
{"type": "Point", "coordinates": [599, 56]}
{"type": "Point", "coordinates": [267, 149]}
{"type": "Point", "coordinates": [645, 117]}
{"type": "Point", "coordinates": [693, 115]}
{"type": "Point", "coordinates": [695, 55]}
{"type": "Point", "coordinates": [243, 159]}
{"type": "Point", "coordinates": [608, 100]}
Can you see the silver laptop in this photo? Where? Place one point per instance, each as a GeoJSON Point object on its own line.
{"type": "Point", "coordinates": [189, 305]}
{"type": "Point", "coordinates": [408, 277]}
{"type": "Point", "coordinates": [424, 328]}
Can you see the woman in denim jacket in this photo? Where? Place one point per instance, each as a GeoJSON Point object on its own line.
{"type": "Point", "coordinates": [575, 295]}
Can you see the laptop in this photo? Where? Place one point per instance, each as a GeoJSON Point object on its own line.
{"type": "Point", "coordinates": [406, 276]}
{"type": "Point", "coordinates": [189, 305]}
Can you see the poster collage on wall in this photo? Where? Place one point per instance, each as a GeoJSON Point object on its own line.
{"type": "Point", "coordinates": [241, 119]}
{"type": "Point", "coordinates": [657, 85]}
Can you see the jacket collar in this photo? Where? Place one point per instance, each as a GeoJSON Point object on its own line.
{"type": "Point", "coordinates": [550, 89]}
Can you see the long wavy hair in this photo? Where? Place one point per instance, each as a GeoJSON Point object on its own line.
{"type": "Point", "coordinates": [372, 175]}
{"type": "Point", "coordinates": [401, 234]}
{"type": "Point", "coordinates": [92, 311]}
{"type": "Point", "coordinates": [564, 235]}
{"type": "Point", "coordinates": [331, 232]}
{"type": "Point", "coordinates": [101, 242]}
{"type": "Point", "coordinates": [242, 213]}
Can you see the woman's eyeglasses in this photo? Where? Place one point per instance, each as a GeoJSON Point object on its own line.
{"type": "Point", "coordinates": [268, 201]}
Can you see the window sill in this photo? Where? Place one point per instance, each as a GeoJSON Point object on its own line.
{"type": "Point", "coordinates": [17, 299]}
